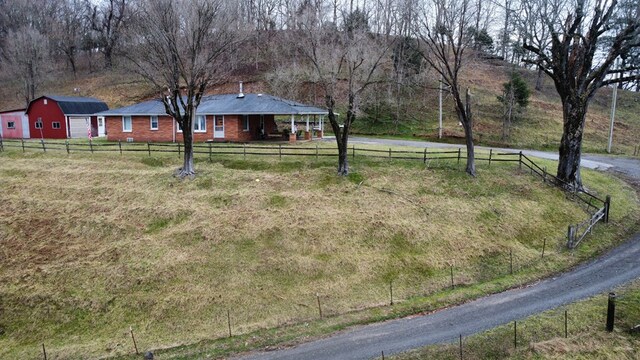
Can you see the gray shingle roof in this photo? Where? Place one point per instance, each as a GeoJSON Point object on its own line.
{"type": "Point", "coordinates": [227, 104]}
{"type": "Point", "coordinates": [75, 105]}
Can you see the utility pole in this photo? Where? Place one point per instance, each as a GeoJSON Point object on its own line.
{"type": "Point", "coordinates": [613, 115]}
{"type": "Point", "coordinates": [440, 113]}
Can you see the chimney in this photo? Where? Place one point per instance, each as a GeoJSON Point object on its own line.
{"type": "Point", "coordinates": [241, 94]}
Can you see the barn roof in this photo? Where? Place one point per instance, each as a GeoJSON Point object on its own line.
{"type": "Point", "coordinates": [227, 104]}
{"type": "Point", "coordinates": [75, 105]}
{"type": "Point", "coordinates": [12, 111]}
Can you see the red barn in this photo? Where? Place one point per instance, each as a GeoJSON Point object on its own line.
{"type": "Point", "coordinates": [14, 124]}
{"type": "Point", "coordinates": [64, 117]}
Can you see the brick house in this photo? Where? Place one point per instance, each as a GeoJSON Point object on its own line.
{"type": "Point", "coordinates": [14, 124]}
{"type": "Point", "coordinates": [64, 117]}
{"type": "Point", "coordinates": [228, 117]}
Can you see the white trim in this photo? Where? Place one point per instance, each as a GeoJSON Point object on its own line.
{"type": "Point", "coordinates": [151, 122]}
{"type": "Point", "coordinates": [9, 126]}
{"type": "Point", "coordinates": [53, 125]}
{"type": "Point", "coordinates": [130, 123]}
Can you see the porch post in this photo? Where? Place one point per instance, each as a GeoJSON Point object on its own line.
{"type": "Point", "coordinates": [307, 133]}
{"type": "Point", "coordinates": [292, 135]}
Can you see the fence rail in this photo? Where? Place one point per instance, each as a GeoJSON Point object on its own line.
{"type": "Point", "coordinates": [597, 207]}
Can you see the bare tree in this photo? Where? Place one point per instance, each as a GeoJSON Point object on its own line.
{"type": "Point", "coordinates": [351, 59]}
{"type": "Point", "coordinates": [578, 69]}
{"type": "Point", "coordinates": [184, 48]}
{"type": "Point", "coordinates": [108, 21]}
{"type": "Point", "coordinates": [442, 35]}
{"type": "Point", "coordinates": [26, 53]}
{"type": "Point", "coordinates": [535, 32]}
{"type": "Point", "coordinates": [68, 28]}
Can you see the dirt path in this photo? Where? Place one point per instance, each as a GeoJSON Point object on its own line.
{"type": "Point", "coordinates": [614, 268]}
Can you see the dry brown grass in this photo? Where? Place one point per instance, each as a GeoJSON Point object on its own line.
{"type": "Point", "coordinates": [93, 244]}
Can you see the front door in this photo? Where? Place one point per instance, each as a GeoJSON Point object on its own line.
{"type": "Point", "coordinates": [101, 126]}
{"type": "Point", "coordinates": [218, 127]}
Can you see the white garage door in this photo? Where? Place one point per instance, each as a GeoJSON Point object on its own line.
{"type": "Point", "coordinates": [78, 127]}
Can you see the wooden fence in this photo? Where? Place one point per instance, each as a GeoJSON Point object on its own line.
{"type": "Point", "coordinates": [595, 206]}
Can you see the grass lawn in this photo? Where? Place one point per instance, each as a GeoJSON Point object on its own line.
{"type": "Point", "coordinates": [542, 336]}
{"type": "Point", "coordinates": [93, 244]}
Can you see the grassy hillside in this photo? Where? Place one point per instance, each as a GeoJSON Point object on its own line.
{"type": "Point", "coordinates": [94, 244]}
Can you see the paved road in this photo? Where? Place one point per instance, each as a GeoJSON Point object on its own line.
{"type": "Point", "coordinates": [617, 267]}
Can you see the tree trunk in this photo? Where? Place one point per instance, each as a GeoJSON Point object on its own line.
{"type": "Point", "coordinates": [343, 156]}
{"type": "Point", "coordinates": [574, 115]}
{"type": "Point", "coordinates": [468, 135]}
{"type": "Point", "coordinates": [187, 169]}
{"type": "Point", "coordinates": [539, 79]}
{"type": "Point", "coordinates": [108, 57]}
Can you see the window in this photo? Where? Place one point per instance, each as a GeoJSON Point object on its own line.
{"type": "Point", "coordinates": [45, 101]}
{"type": "Point", "coordinates": [154, 122]}
{"type": "Point", "coordinates": [39, 123]}
{"type": "Point", "coordinates": [179, 126]}
{"type": "Point", "coordinates": [245, 123]}
{"type": "Point", "coordinates": [11, 125]}
{"type": "Point", "coordinates": [126, 124]}
{"type": "Point", "coordinates": [55, 124]}
{"type": "Point", "coordinates": [201, 124]}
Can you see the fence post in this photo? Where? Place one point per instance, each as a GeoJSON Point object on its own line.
{"type": "Point", "coordinates": [607, 206]}
{"type": "Point", "coordinates": [280, 151]}
{"type": "Point", "coordinates": [319, 307]}
{"type": "Point", "coordinates": [149, 148]}
{"type": "Point", "coordinates": [135, 345]}
{"type": "Point", "coordinates": [511, 261]}
{"type": "Point", "coordinates": [44, 147]}
{"type": "Point", "coordinates": [459, 150]}
{"type": "Point", "coordinates": [66, 145]}
{"type": "Point", "coordinates": [209, 152]}
{"type": "Point", "coordinates": [424, 160]}
{"type": "Point", "coordinates": [570, 235]}
{"type": "Point", "coordinates": [544, 174]}
{"type": "Point", "coordinates": [316, 151]}
{"type": "Point", "coordinates": [353, 152]}
{"type": "Point", "coordinates": [611, 311]}
{"type": "Point", "coordinates": [389, 153]}
{"type": "Point", "coordinates": [22, 142]}
{"type": "Point", "coordinates": [44, 352]}
{"type": "Point", "coordinates": [244, 151]}
{"type": "Point", "coordinates": [490, 156]}
{"type": "Point", "coordinates": [179, 149]}
{"type": "Point", "coordinates": [1, 144]}
{"type": "Point", "coordinates": [91, 145]}
{"type": "Point", "coordinates": [520, 161]}
{"type": "Point", "coordinates": [120, 146]}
